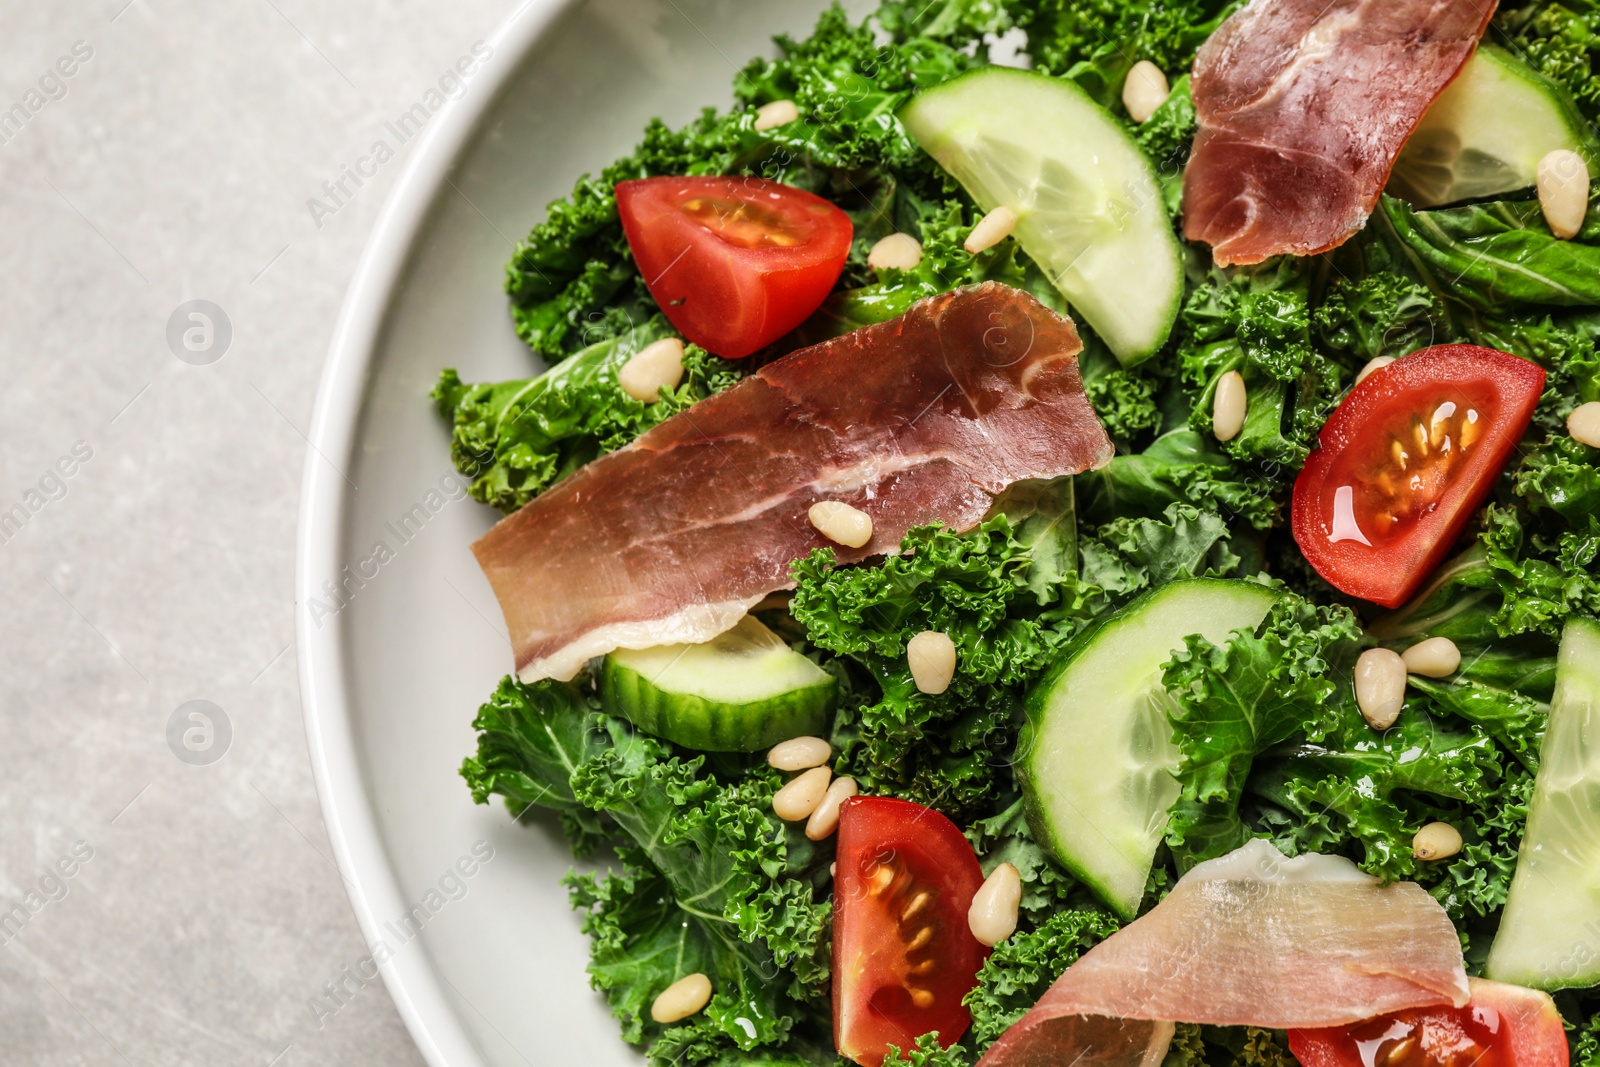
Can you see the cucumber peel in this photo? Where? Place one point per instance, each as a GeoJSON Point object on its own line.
{"type": "Point", "coordinates": [1549, 934]}
{"type": "Point", "coordinates": [1486, 133]}
{"type": "Point", "coordinates": [1095, 757]}
{"type": "Point", "coordinates": [742, 691]}
{"type": "Point", "coordinates": [1089, 208]}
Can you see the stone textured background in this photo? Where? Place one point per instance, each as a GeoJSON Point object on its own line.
{"type": "Point", "coordinates": [175, 164]}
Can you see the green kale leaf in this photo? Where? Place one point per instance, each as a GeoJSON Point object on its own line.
{"type": "Point", "coordinates": [1234, 701]}
{"type": "Point", "coordinates": [515, 439]}
{"type": "Point", "coordinates": [1024, 965]}
{"type": "Point", "coordinates": [530, 740]}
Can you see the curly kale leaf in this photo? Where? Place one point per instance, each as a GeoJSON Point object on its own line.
{"type": "Point", "coordinates": [1126, 556]}
{"type": "Point", "coordinates": [928, 1052]}
{"type": "Point", "coordinates": [717, 851]}
{"type": "Point", "coordinates": [1562, 476]}
{"type": "Point", "coordinates": [515, 439]}
{"type": "Point", "coordinates": [1381, 314]}
{"type": "Point", "coordinates": [1544, 573]}
{"type": "Point", "coordinates": [709, 880]}
{"type": "Point", "coordinates": [1231, 702]}
{"type": "Point", "coordinates": [1354, 786]}
{"type": "Point", "coordinates": [1096, 42]}
{"type": "Point", "coordinates": [1007, 838]}
{"type": "Point", "coordinates": [1024, 965]}
{"type": "Point", "coordinates": [1258, 323]}
{"type": "Point", "coordinates": [1180, 466]}
{"type": "Point", "coordinates": [530, 740]}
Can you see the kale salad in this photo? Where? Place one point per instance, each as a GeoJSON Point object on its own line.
{"type": "Point", "coordinates": [1127, 670]}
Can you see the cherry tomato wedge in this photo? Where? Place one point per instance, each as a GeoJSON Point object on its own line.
{"type": "Point", "coordinates": [903, 956]}
{"type": "Point", "coordinates": [1403, 463]}
{"type": "Point", "coordinates": [735, 263]}
{"type": "Point", "coordinates": [1501, 1026]}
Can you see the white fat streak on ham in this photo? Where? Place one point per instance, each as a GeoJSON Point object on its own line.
{"type": "Point", "coordinates": [922, 419]}
{"type": "Point", "coordinates": [695, 624]}
{"type": "Point", "coordinates": [1250, 939]}
{"type": "Point", "coordinates": [1303, 107]}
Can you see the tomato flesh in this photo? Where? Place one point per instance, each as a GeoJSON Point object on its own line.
{"type": "Point", "coordinates": [1501, 1026]}
{"type": "Point", "coordinates": [1403, 463]}
{"type": "Point", "coordinates": [903, 955]}
{"type": "Point", "coordinates": [735, 263]}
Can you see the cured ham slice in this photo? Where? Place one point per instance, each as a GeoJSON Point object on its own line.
{"type": "Point", "coordinates": [1303, 107]}
{"type": "Point", "coordinates": [918, 420]}
{"type": "Point", "coordinates": [1250, 939]}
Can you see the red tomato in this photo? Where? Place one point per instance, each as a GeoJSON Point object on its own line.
{"type": "Point", "coordinates": [1502, 1026]}
{"type": "Point", "coordinates": [903, 956]}
{"type": "Point", "coordinates": [735, 263]}
{"type": "Point", "coordinates": [1405, 461]}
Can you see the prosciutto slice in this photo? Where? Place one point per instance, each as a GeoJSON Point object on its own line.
{"type": "Point", "coordinates": [1303, 107]}
{"type": "Point", "coordinates": [1250, 939]}
{"type": "Point", "coordinates": [917, 420]}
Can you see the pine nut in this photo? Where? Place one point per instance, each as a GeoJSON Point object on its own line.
{"type": "Point", "coordinates": [681, 999]}
{"type": "Point", "coordinates": [993, 914]}
{"type": "Point", "coordinates": [931, 655]}
{"type": "Point", "coordinates": [1563, 180]}
{"type": "Point", "coordinates": [1228, 406]}
{"type": "Point", "coordinates": [898, 251]}
{"type": "Point", "coordinates": [1144, 90]}
{"type": "Point", "coordinates": [778, 113]}
{"type": "Point", "coordinates": [993, 228]}
{"type": "Point", "coordinates": [825, 820]}
{"type": "Point", "coordinates": [841, 523]}
{"type": "Point", "coordinates": [656, 365]}
{"type": "Point", "coordinates": [1377, 363]}
{"type": "Point", "coordinates": [1436, 657]}
{"type": "Point", "coordinates": [1436, 841]}
{"type": "Point", "coordinates": [799, 754]}
{"type": "Point", "coordinates": [1584, 424]}
{"type": "Point", "coordinates": [1380, 686]}
{"type": "Point", "coordinates": [800, 798]}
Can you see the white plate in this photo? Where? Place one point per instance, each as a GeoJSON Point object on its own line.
{"type": "Point", "coordinates": [490, 968]}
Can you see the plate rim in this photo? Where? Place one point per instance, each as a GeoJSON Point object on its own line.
{"type": "Point", "coordinates": [430, 1016]}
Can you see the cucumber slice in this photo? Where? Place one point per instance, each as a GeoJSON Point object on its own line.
{"type": "Point", "coordinates": [1486, 133]}
{"type": "Point", "coordinates": [1096, 755]}
{"type": "Point", "coordinates": [1089, 208]}
{"type": "Point", "coordinates": [741, 691]}
{"type": "Point", "coordinates": [1550, 932]}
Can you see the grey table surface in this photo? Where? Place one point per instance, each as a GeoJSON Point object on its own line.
{"type": "Point", "coordinates": [176, 902]}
